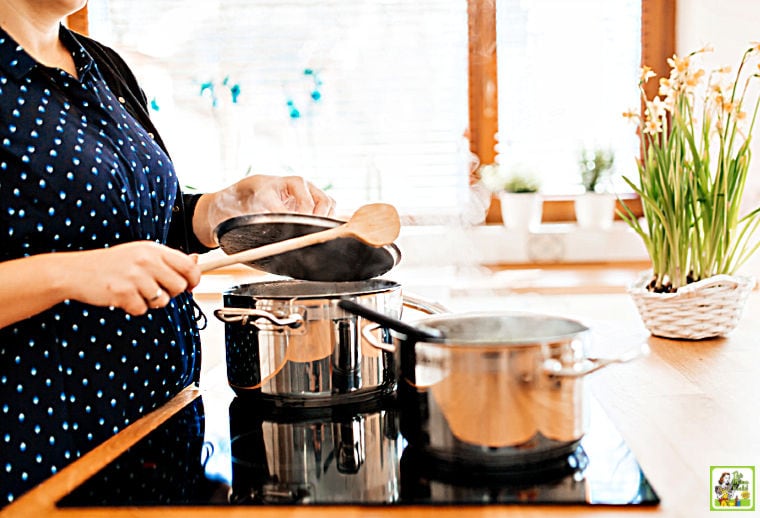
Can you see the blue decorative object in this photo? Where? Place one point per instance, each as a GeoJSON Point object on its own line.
{"type": "Point", "coordinates": [235, 91]}
{"type": "Point", "coordinates": [315, 94]}
{"type": "Point", "coordinates": [209, 87]}
{"type": "Point", "coordinates": [293, 111]}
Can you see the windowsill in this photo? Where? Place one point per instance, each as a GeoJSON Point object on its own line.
{"type": "Point", "coordinates": [549, 243]}
{"type": "Point", "coordinates": [561, 208]}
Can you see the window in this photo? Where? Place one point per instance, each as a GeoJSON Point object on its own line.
{"type": "Point", "coordinates": [370, 99]}
{"type": "Point", "coordinates": [366, 98]}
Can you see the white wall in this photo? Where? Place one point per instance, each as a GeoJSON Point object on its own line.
{"type": "Point", "coordinates": [730, 27]}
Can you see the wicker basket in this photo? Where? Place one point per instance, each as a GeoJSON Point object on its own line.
{"type": "Point", "coordinates": [704, 309]}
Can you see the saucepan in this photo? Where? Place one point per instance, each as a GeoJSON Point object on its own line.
{"type": "Point", "coordinates": [286, 340]}
{"type": "Point", "coordinates": [289, 343]}
{"type": "Point", "coordinates": [490, 388]}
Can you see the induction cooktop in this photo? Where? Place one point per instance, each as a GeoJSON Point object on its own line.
{"type": "Point", "coordinates": [223, 450]}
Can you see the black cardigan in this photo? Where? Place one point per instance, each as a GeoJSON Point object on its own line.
{"type": "Point", "coordinates": [123, 83]}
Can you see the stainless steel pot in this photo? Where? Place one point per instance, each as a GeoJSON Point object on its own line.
{"type": "Point", "coordinates": [497, 389]}
{"type": "Point", "coordinates": [287, 341]}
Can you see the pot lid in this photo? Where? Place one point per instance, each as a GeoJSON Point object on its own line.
{"type": "Point", "coordinates": [290, 289]}
{"type": "Point", "coordinates": [517, 329]}
{"type": "Point", "coordinates": [338, 260]}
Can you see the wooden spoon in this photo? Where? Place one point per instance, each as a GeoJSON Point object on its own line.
{"type": "Point", "coordinates": [376, 224]}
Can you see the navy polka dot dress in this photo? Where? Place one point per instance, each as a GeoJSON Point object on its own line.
{"type": "Point", "coordinates": [78, 172]}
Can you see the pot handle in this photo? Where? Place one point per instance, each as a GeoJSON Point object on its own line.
{"type": "Point", "coordinates": [424, 305]}
{"type": "Point", "coordinates": [586, 366]}
{"type": "Point", "coordinates": [374, 342]}
{"type": "Point", "coordinates": [248, 316]}
{"type": "Point", "coordinates": [415, 302]}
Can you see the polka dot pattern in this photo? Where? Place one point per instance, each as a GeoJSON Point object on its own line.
{"type": "Point", "coordinates": [77, 172]}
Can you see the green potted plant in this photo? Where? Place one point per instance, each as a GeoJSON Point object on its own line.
{"type": "Point", "coordinates": [695, 154]}
{"type": "Point", "coordinates": [595, 208]}
{"type": "Point", "coordinates": [596, 165]}
{"type": "Point", "coordinates": [517, 187]}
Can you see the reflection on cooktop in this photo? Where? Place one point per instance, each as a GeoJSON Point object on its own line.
{"type": "Point", "coordinates": [226, 451]}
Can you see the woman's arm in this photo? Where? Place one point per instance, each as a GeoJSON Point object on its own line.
{"type": "Point", "coordinates": [132, 276]}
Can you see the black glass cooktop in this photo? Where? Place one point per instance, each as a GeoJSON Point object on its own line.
{"type": "Point", "coordinates": [222, 450]}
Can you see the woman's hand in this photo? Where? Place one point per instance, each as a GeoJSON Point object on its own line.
{"type": "Point", "coordinates": [133, 276]}
{"type": "Point", "coordinates": [255, 194]}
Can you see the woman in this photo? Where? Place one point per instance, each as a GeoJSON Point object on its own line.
{"type": "Point", "coordinates": [97, 325]}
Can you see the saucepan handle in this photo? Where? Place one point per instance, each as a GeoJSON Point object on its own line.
{"type": "Point", "coordinates": [367, 334]}
{"type": "Point", "coordinates": [586, 366]}
{"type": "Point", "coordinates": [424, 305]}
{"type": "Point", "coordinates": [247, 316]}
{"type": "Point", "coordinates": [410, 301]}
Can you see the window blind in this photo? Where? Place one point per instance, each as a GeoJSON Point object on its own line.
{"type": "Point", "coordinates": [367, 98]}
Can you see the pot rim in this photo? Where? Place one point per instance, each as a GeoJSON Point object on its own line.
{"type": "Point", "coordinates": [493, 344]}
{"type": "Point", "coordinates": [280, 289]}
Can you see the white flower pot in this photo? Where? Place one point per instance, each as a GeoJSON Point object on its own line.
{"type": "Point", "coordinates": [595, 210]}
{"type": "Point", "coordinates": [521, 210]}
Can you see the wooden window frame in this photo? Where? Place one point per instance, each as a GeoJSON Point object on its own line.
{"type": "Point", "coordinates": [658, 42]}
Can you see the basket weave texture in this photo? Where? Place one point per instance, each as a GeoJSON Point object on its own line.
{"type": "Point", "coordinates": [708, 308]}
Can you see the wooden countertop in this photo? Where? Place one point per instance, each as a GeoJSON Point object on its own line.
{"type": "Point", "coordinates": [684, 408]}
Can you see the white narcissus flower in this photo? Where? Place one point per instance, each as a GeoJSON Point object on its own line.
{"type": "Point", "coordinates": [631, 115]}
{"type": "Point", "coordinates": [657, 108]}
{"type": "Point", "coordinates": [679, 65]}
{"type": "Point", "coordinates": [652, 126]}
{"type": "Point", "coordinates": [646, 74]}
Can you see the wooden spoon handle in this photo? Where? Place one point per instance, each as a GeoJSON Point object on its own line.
{"type": "Point", "coordinates": [271, 249]}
